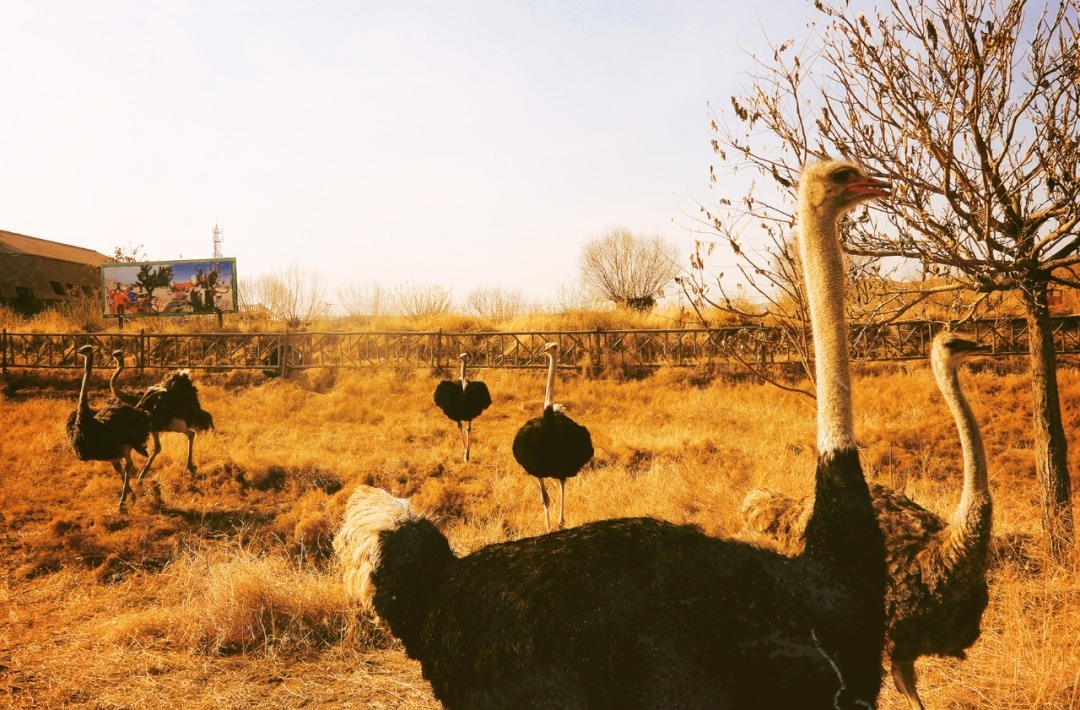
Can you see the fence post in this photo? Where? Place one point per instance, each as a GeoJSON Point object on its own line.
{"type": "Point", "coordinates": [140, 349]}
{"type": "Point", "coordinates": [3, 352]}
{"type": "Point", "coordinates": [284, 356]}
{"type": "Point", "coordinates": [436, 350]}
{"type": "Point", "coordinates": [597, 354]}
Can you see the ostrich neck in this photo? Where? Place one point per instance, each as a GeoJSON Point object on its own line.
{"type": "Point", "coordinates": [115, 378]}
{"type": "Point", "coordinates": [463, 380]}
{"type": "Point", "coordinates": [549, 393]}
{"type": "Point", "coordinates": [972, 515]}
{"type": "Point", "coordinates": [84, 389]}
{"type": "Point", "coordinates": [823, 266]}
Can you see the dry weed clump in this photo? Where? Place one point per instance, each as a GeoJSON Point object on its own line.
{"type": "Point", "coordinates": [223, 603]}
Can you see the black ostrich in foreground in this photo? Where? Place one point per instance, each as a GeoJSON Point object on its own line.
{"type": "Point", "coordinates": [172, 405]}
{"type": "Point", "coordinates": [462, 402]}
{"type": "Point", "coordinates": [552, 445]}
{"type": "Point", "coordinates": [937, 568]}
{"type": "Point", "coordinates": [641, 613]}
{"type": "Point", "coordinates": [109, 434]}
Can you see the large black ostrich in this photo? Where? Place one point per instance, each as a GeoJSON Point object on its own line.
{"type": "Point", "coordinates": [640, 613]}
{"type": "Point", "coordinates": [463, 401]}
{"type": "Point", "coordinates": [552, 445]}
{"type": "Point", "coordinates": [109, 434]}
{"type": "Point", "coordinates": [173, 406]}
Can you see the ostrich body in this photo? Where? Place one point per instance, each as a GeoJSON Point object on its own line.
{"type": "Point", "coordinates": [109, 434]}
{"type": "Point", "coordinates": [937, 589]}
{"type": "Point", "coordinates": [462, 402]}
{"type": "Point", "coordinates": [172, 405]}
{"type": "Point", "coordinates": [637, 612]}
{"type": "Point", "coordinates": [552, 445]}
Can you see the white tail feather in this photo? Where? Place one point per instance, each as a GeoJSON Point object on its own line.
{"type": "Point", "coordinates": [368, 512]}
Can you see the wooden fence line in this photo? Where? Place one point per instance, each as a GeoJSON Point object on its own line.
{"type": "Point", "coordinates": [590, 350]}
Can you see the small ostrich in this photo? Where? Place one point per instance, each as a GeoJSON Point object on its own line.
{"type": "Point", "coordinates": [109, 434]}
{"type": "Point", "coordinates": [463, 401]}
{"type": "Point", "coordinates": [637, 612]}
{"type": "Point", "coordinates": [552, 445]}
{"type": "Point", "coordinates": [937, 569]}
{"type": "Point", "coordinates": [173, 406]}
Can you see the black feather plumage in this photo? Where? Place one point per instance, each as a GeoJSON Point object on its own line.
{"type": "Point", "coordinates": [462, 405]}
{"type": "Point", "coordinates": [552, 445]}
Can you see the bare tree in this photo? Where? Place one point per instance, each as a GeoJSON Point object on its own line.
{"type": "Point", "coordinates": [415, 300]}
{"type": "Point", "coordinates": [368, 300]}
{"type": "Point", "coordinates": [628, 269]}
{"type": "Point", "coordinates": [294, 294]}
{"type": "Point", "coordinates": [496, 303]}
{"type": "Point", "coordinates": [972, 109]}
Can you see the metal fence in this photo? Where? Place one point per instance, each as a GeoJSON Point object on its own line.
{"type": "Point", "coordinates": [584, 349]}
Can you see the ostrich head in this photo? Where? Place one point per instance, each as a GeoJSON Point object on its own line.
{"type": "Point", "coordinates": [550, 348]}
{"type": "Point", "coordinates": [833, 187]}
{"type": "Point", "coordinates": [949, 350]}
{"type": "Point", "coordinates": [464, 357]}
{"type": "Point", "coordinates": [118, 356]}
{"type": "Point", "coordinates": [86, 350]}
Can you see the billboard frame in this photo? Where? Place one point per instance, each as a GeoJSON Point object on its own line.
{"type": "Point", "coordinates": [169, 262]}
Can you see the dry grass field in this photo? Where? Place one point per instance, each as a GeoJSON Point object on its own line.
{"type": "Point", "coordinates": [217, 590]}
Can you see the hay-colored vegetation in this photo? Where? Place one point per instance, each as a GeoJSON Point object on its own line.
{"type": "Point", "coordinates": [217, 590]}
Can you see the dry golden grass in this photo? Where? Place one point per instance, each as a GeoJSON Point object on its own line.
{"type": "Point", "coordinates": [216, 589]}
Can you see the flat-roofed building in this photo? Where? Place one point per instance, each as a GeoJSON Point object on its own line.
{"type": "Point", "coordinates": [35, 273]}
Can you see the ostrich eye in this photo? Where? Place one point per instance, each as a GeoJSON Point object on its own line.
{"type": "Point", "coordinates": [843, 174]}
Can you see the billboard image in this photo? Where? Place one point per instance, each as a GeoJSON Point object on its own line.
{"type": "Point", "coordinates": [170, 288]}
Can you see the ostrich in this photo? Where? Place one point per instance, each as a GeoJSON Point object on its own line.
{"type": "Point", "coordinates": [638, 612]}
{"type": "Point", "coordinates": [173, 406]}
{"type": "Point", "coordinates": [552, 445]}
{"type": "Point", "coordinates": [937, 569]}
{"type": "Point", "coordinates": [109, 434]}
{"type": "Point", "coordinates": [462, 402]}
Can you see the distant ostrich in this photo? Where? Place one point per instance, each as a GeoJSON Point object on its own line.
{"type": "Point", "coordinates": [109, 434]}
{"type": "Point", "coordinates": [638, 612]}
{"type": "Point", "coordinates": [463, 401]}
{"type": "Point", "coordinates": [552, 445]}
{"type": "Point", "coordinates": [937, 569]}
{"type": "Point", "coordinates": [173, 406]}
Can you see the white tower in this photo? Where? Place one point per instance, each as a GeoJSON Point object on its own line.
{"type": "Point", "coordinates": [217, 242]}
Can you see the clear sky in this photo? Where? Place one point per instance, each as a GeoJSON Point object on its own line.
{"type": "Point", "coordinates": [460, 143]}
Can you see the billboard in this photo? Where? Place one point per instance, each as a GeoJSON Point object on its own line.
{"type": "Point", "coordinates": [169, 288]}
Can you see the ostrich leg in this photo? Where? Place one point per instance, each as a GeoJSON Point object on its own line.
{"type": "Point", "coordinates": [468, 439]}
{"type": "Point", "coordinates": [153, 455]}
{"type": "Point", "coordinates": [190, 451]}
{"type": "Point", "coordinates": [544, 499]}
{"type": "Point", "coordinates": [562, 503]}
{"type": "Point", "coordinates": [903, 673]}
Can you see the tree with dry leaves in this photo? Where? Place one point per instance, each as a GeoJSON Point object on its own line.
{"type": "Point", "coordinates": [628, 269]}
{"type": "Point", "coordinates": [972, 109]}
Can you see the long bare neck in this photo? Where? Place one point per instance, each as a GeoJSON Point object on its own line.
{"type": "Point", "coordinates": [84, 389]}
{"type": "Point", "coordinates": [463, 380]}
{"type": "Point", "coordinates": [549, 393]}
{"type": "Point", "coordinates": [823, 266]}
{"type": "Point", "coordinates": [971, 521]}
{"type": "Point", "coordinates": [115, 378]}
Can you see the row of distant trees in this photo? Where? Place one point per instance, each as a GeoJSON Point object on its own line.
{"type": "Point", "coordinates": [617, 267]}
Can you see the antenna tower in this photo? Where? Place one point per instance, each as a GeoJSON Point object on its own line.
{"type": "Point", "coordinates": [217, 242]}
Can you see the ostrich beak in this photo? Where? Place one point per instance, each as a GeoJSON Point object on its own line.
{"type": "Point", "coordinates": [870, 186]}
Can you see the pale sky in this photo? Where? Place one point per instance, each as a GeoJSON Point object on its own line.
{"type": "Point", "coordinates": [458, 143]}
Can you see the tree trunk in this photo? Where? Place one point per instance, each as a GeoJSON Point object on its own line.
{"type": "Point", "coordinates": [1051, 459]}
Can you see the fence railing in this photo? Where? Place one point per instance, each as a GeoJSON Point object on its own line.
{"type": "Point", "coordinates": [582, 349]}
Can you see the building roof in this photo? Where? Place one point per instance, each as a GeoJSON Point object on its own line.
{"type": "Point", "coordinates": [12, 243]}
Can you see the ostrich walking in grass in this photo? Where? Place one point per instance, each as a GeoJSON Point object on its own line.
{"type": "Point", "coordinates": [641, 613]}
{"type": "Point", "coordinates": [109, 434]}
{"type": "Point", "coordinates": [172, 405]}
{"type": "Point", "coordinates": [463, 401]}
{"type": "Point", "coordinates": [552, 445]}
{"type": "Point", "coordinates": [937, 568]}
